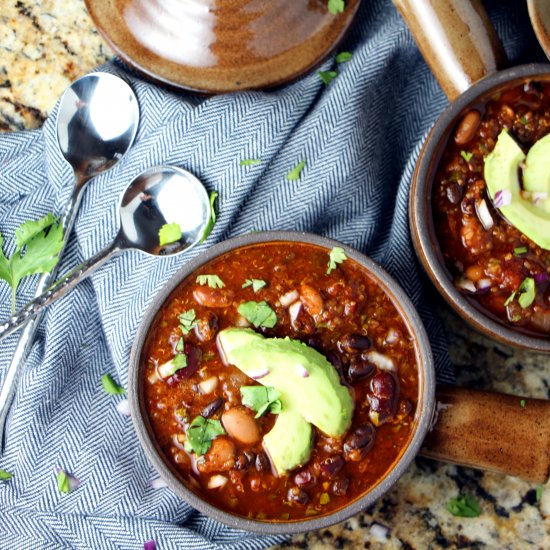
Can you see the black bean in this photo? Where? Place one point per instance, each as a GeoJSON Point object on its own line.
{"type": "Point", "coordinates": [335, 359]}
{"type": "Point", "coordinates": [353, 343]}
{"type": "Point", "coordinates": [212, 407]}
{"type": "Point", "coordinates": [331, 466]}
{"type": "Point", "coordinates": [340, 487]}
{"type": "Point", "coordinates": [359, 443]}
{"type": "Point", "coordinates": [383, 384]}
{"type": "Point", "coordinates": [295, 494]}
{"type": "Point", "coordinates": [314, 341]}
{"type": "Point", "coordinates": [262, 463]}
{"type": "Point", "coordinates": [244, 460]}
{"type": "Point", "coordinates": [454, 193]}
{"type": "Point", "coordinates": [359, 368]}
{"type": "Point", "coordinates": [304, 478]}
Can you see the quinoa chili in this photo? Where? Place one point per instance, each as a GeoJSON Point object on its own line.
{"type": "Point", "coordinates": [343, 314]}
{"type": "Point", "coordinates": [490, 260]}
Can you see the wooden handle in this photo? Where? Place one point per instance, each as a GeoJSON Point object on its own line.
{"type": "Point", "coordinates": [491, 431]}
{"type": "Point", "coordinates": [456, 39]}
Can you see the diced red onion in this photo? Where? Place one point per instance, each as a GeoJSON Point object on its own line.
{"type": "Point", "coordinates": [74, 482]}
{"type": "Point", "coordinates": [208, 385]}
{"type": "Point", "coordinates": [484, 285]}
{"type": "Point", "coordinates": [482, 211]}
{"type": "Point", "coordinates": [302, 371]}
{"type": "Point", "coordinates": [379, 532]}
{"type": "Point", "coordinates": [260, 373]}
{"type": "Point", "coordinates": [541, 277]}
{"type": "Point", "coordinates": [392, 337]}
{"type": "Point", "coordinates": [539, 196]}
{"type": "Point", "coordinates": [502, 198]}
{"type": "Point", "coordinates": [123, 407]}
{"type": "Point", "coordinates": [221, 351]}
{"type": "Point", "coordinates": [217, 481]}
{"type": "Point", "coordinates": [294, 311]}
{"type": "Point", "coordinates": [383, 362]}
{"type": "Point", "coordinates": [289, 298]}
{"type": "Point", "coordinates": [157, 483]}
{"type": "Point", "coordinates": [466, 284]}
{"type": "Point", "coordinates": [150, 545]}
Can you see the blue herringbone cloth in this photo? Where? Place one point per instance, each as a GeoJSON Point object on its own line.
{"type": "Point", "coordinates": [360, 137]}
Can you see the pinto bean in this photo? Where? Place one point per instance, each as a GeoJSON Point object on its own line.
{"type": "Point", "coordinates": [213, 297]}
{"type": "Point", "coordinates": [353, 343]}
{"type": "Point", "coordinates": [241, 426]}
{"type": "Point", "coordinates": [466, 129]}
{"type": "Point", "coordinates": [312, 299]}
{"type": "Point", "coordinates": [219, 458]}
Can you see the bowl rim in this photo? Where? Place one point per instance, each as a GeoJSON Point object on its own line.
{"type": "Point", "coordinates": [421, 222]}
{"type": "Point", "coordinates": [426, 399]}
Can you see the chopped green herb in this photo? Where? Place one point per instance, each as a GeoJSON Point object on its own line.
{"type": "Point", "coordinates": [466, 156]}
{"type": "Point", "coordinates": [110, 386]}
{"type": "Point", "coordinates": [520, 250]}
{"type": "Point", "coordinates": [327, 76]}
{"type": "Point", "coordinates": [539, 489]}
{"type": "Point", "coordinates": [169, 233]}
{"type": "Point", "coordinates": [522, 403]}
{"type": "Point", "coordinates": [258, 313]}
{"type": "Point", "coordinates": [294, 174]}
{"type": "Point", "coordinates": [336, 6]}
{"type": "Point", "coordinates": [63, 483]}
{"type": "Point", "coordinates": [38, 244]}
{"type": "Point", "coordinates": [179, 362]}
{"type": "Point", "coordinates": [526, 292]}
{"type": "Point", "coordinates": [464, 506]}
{"type": "Point", "coordinates": [336, 256]}
{"type": "Point", "coordinates": [180, 345]}
{"type": "Point", "coordinates": [212, 220]}
{"type": "Point", "coordinates": [250, 162]}
{"type": "Point", "coordinates": [213, 281]}
{"type": "Point", "coordinates": [261, 399]}
{"type": "Point", "coordinates": [256, 284]}
{"type": "Point", "coordinates": [510, 299]}
{"type": "Point", "coordinates": [523, 120]}
{"type": "Point", "coordinates": [4, 476]}
{"type": "Point", "coordinates": [187, 322]}
{"type": "Point", "coordinates": [324, 498]}
{"type": "Point", "coordinates": [342, 57]}
{"type": "Point", "coordinates": [201, 433]}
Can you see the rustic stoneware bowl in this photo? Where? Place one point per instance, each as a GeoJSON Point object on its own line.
{"type": "Point", "coordinates": [464, 57]}
{"type": "Point", "coordinates": [539, 11]}
{"type": "Point", "coordinates": [221, 45]}
{"type": "Point", "coordinates": [423, 415]}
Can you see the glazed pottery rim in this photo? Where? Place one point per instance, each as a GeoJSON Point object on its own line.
{"type": "Point", "coordinates": [423, 417]}
{"type": "Point", "coordinates": [420, 208]}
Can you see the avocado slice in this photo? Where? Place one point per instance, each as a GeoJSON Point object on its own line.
{"type": "Point", "coordinates": [289, 442]}
{"type": "Point", "coordinates": [308, 383]}
{"type": "Point", "coordinates": [501, 174]}
{"type": "Point", "coordinates": [536, 171]}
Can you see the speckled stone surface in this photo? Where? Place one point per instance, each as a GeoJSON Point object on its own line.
{"type": "Point", "coordinates": [44, 45]}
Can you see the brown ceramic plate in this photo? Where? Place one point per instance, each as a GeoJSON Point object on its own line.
{"type": "Point", "coordinates": [539, 11]}
{"type": "Point", "coordinates": [221, 45]}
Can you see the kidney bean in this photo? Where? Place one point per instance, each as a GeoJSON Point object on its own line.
{"type": "Point", "coordinates": [296, 495]}
{"type": "Point", "coordinates": [212, 407]}
{"type": "Point", "coordinates": [262, 463]}
{"type": "Point", "coordinates": [314, 341]}
{"type": "Point", "coordinates": [241, 426]}
{"type": "Point", "coordinates": [213, 297]}
{"type": "Point", "coordinates": [194, 356]}
{"type": "Point", "coordinates": [359, 368]}
{"type": "Point", "coordinates": [331, 466]}
{"type": "Point", "coordinates": [340, 487]}
{"type": "Point", "coordinates": [384, 385]}
{"type": "Point", "coordinates": [207, 327]}
{"type": "Point", "coordinates": [353, 343]}
{"type": "Point", "coordinates": [244, 460]}
{"type": "Point", "coordinates": [467, 127]}
{"type": "Point", "coordinates": [304, 478]}
{"type": "Point", "coordinates": [384, 398]}
{"type": "Point", "coordinates": [312, 299]}
{"type": "Point", "coordinates": [359, 443]}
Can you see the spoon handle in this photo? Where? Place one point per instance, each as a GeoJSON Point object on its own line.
{"type": "Point", "coordinates": [59, 289]}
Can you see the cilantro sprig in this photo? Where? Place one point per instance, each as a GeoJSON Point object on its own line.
{"type": "Point", "coordinates": [295, 173]}
{"type": "Point", "coordinates": [187, 323]}
{"type": "Point", "coordinates": [327, 76]}
{"type": "Point", "coordinates": [37, 247]}
{"type": "Point", "coordinates": [256, 284]}
{"type": "Point", "coordinates": [259, 314]}
{"type": "Point", "coordinates": [527, 292]}
{"type": "Point", "coordinates": [249, 162]}
{"type": "Point", "coordinates": [200, 434]}
{"type": "Point", "coordinates": [213, 281]}
{"type": "Point", "coordinates": [336, 256]}
{"type": "Point", "coordinates": [261, 399]}
{"type": "Point", "coordinates": [465, 506]}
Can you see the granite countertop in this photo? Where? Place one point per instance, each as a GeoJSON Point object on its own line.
{"type": "Point", "coordinates": [46, 44]}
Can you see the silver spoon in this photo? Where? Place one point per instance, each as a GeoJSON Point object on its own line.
{"type": "Point", "coordinates": [96, 125]}
{"type": "Point", "coordinates": [158, 196]}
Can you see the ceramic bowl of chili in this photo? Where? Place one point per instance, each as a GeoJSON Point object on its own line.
{"type": "Point", "coordinates": [281, 382]}
{"type": "Point", "coordinates": [489, 271]}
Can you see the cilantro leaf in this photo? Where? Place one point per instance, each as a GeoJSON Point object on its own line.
{"type": "Point", "coordinates": [201, 433]}
{"type": "Point", "coordinates": [213, 281]}
{"type": "Point", "coordinates": [294, 174]}
{"type": "Point", "coordinates": [63, 482]}
{"type": "Point", "coordinates": [261, 399]}
{"type": "Point", "coordinates": [180, 345]}
{"type": "Point", "coordinates": [526, 292]}
{"type": "Point", "coordinates": [464, 506]}
{"type": "Point", "coordinates": [169, 233]}
{"type": "Point", "coordinates": [258, 313]}
{"type": "Point", "coordinates": [4, 476]}
{"type": "Point", "coordinates": [110, 386]}
{"type": "Point", "coordinates": [466, 156]}
{"type": "Point", "coordinates": [212, 221]}
{"type": "Point", "coordinates": [256, 284]}
{"type": "Point", "coordinates": [250, 162]}
{"type": "Point", "coordinates": [336, 6]}
{"type": "Point", "coordinates": [29, 229]}
{"type": "Point", "coordinates": [327, 76]}
{"type": "Point", "coordinates": [336, 256]}
{"type": "Point", "coordinates": [342, 57]}
{"type": "Point", "coordinates": [179, 362]}
{"type": "Point", "coordinates": [187, 322]}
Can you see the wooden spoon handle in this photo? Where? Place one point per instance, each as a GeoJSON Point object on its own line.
{"type": "Point", "coordinates": [491, 431]}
